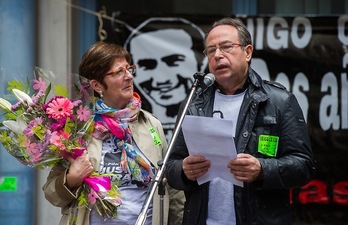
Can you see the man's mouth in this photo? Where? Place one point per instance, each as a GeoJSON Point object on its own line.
{"type": "Point", "coordinates": [165, 88]}
{"type": "Point", "coordinates": [220, 67]}
{"type": "Point", "coordinates": [162, 88]}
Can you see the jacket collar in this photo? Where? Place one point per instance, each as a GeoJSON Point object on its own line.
{"type": "Point", "coordinates": [255, 90]}
{"type": "Point", "coordinates": [141, 116]}
{"type": "Point", "coordinates": [254, 78]}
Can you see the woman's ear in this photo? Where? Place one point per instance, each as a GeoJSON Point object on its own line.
{"type": "Point", "coordinates": [96, 86]}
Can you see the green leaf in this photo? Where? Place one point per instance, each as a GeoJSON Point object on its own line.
{"type": "Point", "coordinates": [60, 90]}
{"type": "Point", "coordinates": [47, 91]}
{"type": "Point", "coordinates": [15, 84]}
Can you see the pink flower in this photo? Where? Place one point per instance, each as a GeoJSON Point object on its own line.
{"type": "Point", "coordinates": [36, 99]}
{"type": "Point", "coordinates": [33, 151]}
{"type": "Point", "coordinates": [92, 196]}
{"type": "Point", "coordinates": [99, 184]}
{"type": "Point", "coordinates": [83, 113]}
{"type": "Point", "coordinates": [56, 139]}
{"type": "Point", "coordinates": [33, 127]}
{"type": "Point", "coordinates": [77, 102]}
{"type": "Point", "coordinates": [59, 107]}
{"type": "Point", "coordinates": [39, 84]}
{"type": "Point", "coordinates": [58, 124]}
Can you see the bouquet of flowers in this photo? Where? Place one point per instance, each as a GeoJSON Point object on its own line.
{"type": "Point", "coordinates": [42, 128]}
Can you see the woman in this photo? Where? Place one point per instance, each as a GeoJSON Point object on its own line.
{"type": "Point", "coordinates": [118, 110]}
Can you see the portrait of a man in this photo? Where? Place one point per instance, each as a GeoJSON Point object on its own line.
{"type": "Point", "coordinates": [167, 52]}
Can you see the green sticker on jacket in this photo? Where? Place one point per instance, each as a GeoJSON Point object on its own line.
{"type": "Point", "coordinates": [155, 136]}
{"type": "Point", "coordinates": [268, 145]}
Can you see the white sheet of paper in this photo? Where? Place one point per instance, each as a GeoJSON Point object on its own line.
{"type": "Point", "coordinates": [212, 138]}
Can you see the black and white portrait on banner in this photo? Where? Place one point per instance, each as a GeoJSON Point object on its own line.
{"type": "Point", "coordinates": [167, 52]}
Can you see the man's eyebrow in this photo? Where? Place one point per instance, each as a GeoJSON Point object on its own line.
{"type": "Point", "coordinates": [173, 57]}
{"type": "Point", "coordinates": [146, 59]}
{"type": "Point", "coordinates": [171, 60]}
{"type": "Point", "coordinates": [148, 63]}
{"type": "Point", "coordinates": [220, 43]}
{"type": "Point", "coordinates": [226, 41]}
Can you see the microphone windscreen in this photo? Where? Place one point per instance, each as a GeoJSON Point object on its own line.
{"type": "Point", "coordinates": [209, 79]}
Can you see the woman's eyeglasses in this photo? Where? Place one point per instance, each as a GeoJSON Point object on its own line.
{"type": "Point", "coordinates": [121, 72]}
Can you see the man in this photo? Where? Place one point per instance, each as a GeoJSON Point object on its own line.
{"type": "Point", "coordinates": [167, 53]}
{"type": "Point", "coordinates": [271, 138]}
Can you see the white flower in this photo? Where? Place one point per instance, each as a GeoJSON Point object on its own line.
{"type": "Point", "coordinates": [21, 96]}
{"type": "Point", "coordinates": [5, 105]}
{"type": "Point", "coordinates": [17, 126]}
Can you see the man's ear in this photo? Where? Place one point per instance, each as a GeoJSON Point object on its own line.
{"type": "Point", "coordinates": [249, 52]}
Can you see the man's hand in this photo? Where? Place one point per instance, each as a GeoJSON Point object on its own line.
{"type": "Point", "coordinates": [245, 168]}
{"type": "Point", "coordinates": [195, 166]}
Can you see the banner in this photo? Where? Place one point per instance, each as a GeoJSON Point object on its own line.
{"type": "Point", "coordinates": [308, 55]}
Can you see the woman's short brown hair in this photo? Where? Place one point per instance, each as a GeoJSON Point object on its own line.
{"type": "Point", "coordinates": [99, 58]}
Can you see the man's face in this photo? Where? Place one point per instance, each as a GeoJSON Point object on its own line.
{"type": "Point", "coordinates": [165, 65]}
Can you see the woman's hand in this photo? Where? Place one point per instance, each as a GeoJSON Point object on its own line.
{"type": "Point", "coordinates": [80, 168]}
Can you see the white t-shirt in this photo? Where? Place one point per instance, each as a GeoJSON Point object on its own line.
{"type": "Point", "coordinates": [221, 201]}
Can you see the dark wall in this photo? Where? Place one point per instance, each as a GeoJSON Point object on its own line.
{"type": "Point", "coordinates": [222, 7]}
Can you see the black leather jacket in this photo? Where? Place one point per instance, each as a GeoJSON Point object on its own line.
{"type": "Point", "coordinates": [268, 109]}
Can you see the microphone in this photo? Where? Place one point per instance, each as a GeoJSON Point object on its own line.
{"type": "Point", "coordinates": [208, 80]}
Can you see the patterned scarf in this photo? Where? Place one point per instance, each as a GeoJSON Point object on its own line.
{"type": "Point", "coordinates": [111, 122]}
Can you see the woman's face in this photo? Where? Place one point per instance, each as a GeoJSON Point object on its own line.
{"type": "Point", "coordinates": [119, 83]}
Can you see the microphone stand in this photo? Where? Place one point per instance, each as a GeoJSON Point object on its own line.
{"type": "Point", "coordinates": [159, 175]}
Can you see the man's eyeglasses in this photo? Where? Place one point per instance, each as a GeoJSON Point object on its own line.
{"type": "Point", "coordinates": [121, 72]}
{"type": "Point", "coordinates": [224, 48]}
